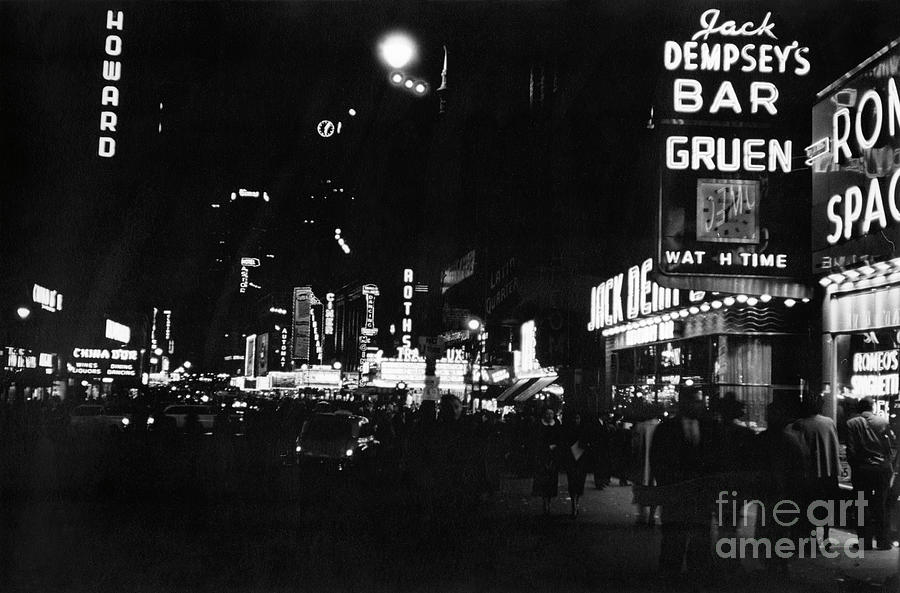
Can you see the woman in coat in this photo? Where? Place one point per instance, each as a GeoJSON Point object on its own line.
{"type": "Point", "coordinates": [574, 447]}
{"type": "Point", "coordinates": [546, 458]}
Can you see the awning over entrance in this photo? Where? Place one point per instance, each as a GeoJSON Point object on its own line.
{"type": "Point", "coordinates": [523, 389]}
{"type": "Point", "coordinates": [535, 387]}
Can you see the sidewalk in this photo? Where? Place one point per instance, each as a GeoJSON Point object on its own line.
{"type": "Point", "coordinates": [606, 537]}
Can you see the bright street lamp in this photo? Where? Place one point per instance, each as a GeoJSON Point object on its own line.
{"type": "Point", "coordinates": [187, 364]}
{"type": "Point", "coordinates": [23, 313]}
{"type": "Point", "coordinates": [474, 324]}
{"type": "Point", "coordinates": [397, 50]}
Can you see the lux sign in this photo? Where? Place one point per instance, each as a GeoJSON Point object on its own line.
{"type": "Point", "coordinates": [642, 297]}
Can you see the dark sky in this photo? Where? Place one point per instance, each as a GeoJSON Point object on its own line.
{"type": "Point", "coordinates": [244, 84]}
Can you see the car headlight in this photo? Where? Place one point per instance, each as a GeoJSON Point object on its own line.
{"type": "Point", "coordinates": [349, 452]}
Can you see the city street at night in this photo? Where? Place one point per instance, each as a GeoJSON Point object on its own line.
{"type": "Point", "coordinates": [328, 534]}
{"type": "Point", "coordinates": [443, 296]}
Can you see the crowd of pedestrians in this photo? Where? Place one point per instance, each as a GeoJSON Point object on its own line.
{"type": "Point", "coordinates": [706, 466]}
{"type": "Point", "coordinates": [449, 460]}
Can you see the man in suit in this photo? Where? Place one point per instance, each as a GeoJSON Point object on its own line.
{"type": "Point", "coordinates": [682, 452]}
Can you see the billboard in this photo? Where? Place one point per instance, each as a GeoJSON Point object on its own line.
{"type": "Point", "coordinates": [262, 355]}
{"type": "Point", "coordinates": [728, 205]}
{"type": "Point", "coordinates": [250, 356]}
{"type": "Point", "coordinates": [855, 160]}
{"type": "Point", "coordinates": [302, 322]}
{"type": "Point", "coordinates": [458, 271]}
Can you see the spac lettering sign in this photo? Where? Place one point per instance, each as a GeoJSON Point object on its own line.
{"type": "Point", "coordinates": [855, 160]}
{"type": "Point", "coordinates": [726, 201]}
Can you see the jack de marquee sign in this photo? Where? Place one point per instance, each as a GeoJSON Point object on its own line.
{"type": "Point", "coordinates": [725, 199]}
{"type": "Point", "coordinates": [628, 296]}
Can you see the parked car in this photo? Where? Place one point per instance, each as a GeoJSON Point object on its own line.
{"type": "Point", "coordinates": [340, 440]}
{"type": "Point", "coordinates": [206, 416]}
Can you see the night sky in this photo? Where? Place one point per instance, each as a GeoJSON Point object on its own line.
{"type": "Point", "coordinates": [243, 86]}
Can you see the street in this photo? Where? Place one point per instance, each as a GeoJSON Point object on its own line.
{"type": "Point", "coordinates": [335, 536]}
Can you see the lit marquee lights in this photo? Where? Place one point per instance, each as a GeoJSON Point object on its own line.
{"type": "Point", "coordinates": [112, 72]}
{"type": "Point", "coordinates": [656, 328]}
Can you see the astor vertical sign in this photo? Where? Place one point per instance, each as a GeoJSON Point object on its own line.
{"type": "Point", "coordinates": [112, 73]}
{"type": "Point", "coordinates": [727, 207]}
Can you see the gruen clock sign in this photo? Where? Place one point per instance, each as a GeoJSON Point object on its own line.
{"type": "Point", "coordinates": [728, 202]}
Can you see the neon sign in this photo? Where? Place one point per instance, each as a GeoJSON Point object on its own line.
{"type": "Point", "coordinates": [329, 314]}
{"type": "Point", "coordinates": [528, 347]}
{"type": "Point", "coordinates": [153, 341]}
{"type": "Point", "coordinates": [851, 213]}
{"type": "Point", "coordinates": [876, 373]}
{"type": "Point", "coordinates": [618, 299]}
{"type": "Point", "coordinates": [652, 333]}
{"type": "Point", "coordinates": [369, 291]}
{"type": "Point", "coordinates": [406, 323]}
{"type": "Point", "coordinates": [46, 298]}
{"type": "Point", "coordinates": [761, 97]}
{"type": "Point", "coordinates": [112, 71]}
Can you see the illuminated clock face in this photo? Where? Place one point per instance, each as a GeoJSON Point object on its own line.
{"type": "Point", "coordinates": [325, 128]}
{"type": "Point", "coordinates": [728, 211]}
